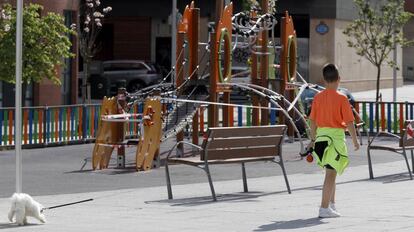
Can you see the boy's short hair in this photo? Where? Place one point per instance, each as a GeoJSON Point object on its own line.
{"type": "Point", "coordinates": [330, 73]}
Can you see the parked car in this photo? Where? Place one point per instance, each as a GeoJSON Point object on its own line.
{"type": "Point", "coordinates": [308, 95]}
{"type": "Point", "coordinates": [132, 74]}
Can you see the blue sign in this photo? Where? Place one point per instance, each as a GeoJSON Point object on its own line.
{"type": "Point", "coordinates": [322, 28]}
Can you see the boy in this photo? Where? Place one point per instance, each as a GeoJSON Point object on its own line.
{"type": "Point", "coordinates": [331, 113]}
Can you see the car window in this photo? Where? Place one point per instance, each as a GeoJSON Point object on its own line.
{"type": "Point", "coordinates": [125, 66]}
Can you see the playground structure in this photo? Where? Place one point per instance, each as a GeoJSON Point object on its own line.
{"type": "Point", "coordinates": [171, 106]}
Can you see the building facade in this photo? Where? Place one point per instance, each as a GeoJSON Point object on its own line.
{"type": "Point", "coordinates": [142, 30]}
{"type": "Point", "coordinates": [46, 92]}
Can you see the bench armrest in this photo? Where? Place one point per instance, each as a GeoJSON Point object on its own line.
{"type": "Point", "coordinates": [383, 132]}
{"type": "Point", "coordinates": [183, 142]}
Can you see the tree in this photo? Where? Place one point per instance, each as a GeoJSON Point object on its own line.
{"type": "Point", "coordinates": [375, 31]}
{"type": "Point", "coordinates": [92, 14]}
{"type": "Point", "coordinates": [45, 44]}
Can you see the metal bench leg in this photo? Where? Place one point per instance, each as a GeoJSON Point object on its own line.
{"type": "Point", "coordinates": [167, 175]}
{"type": "Point", "coordinates": [245, 189]}
{"type": "Point", "coordinates": [408, 166]}
{"type": "Point", "coordinates": [210, 181]}
{"type": "Point", "coordinates": [371, 174]}
{"type": "Point", "coordinates": [284, 174]}
{"type": "Point", "coordinates": [412, 161]}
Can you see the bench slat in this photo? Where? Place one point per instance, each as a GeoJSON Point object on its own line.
{"type": "Point", "coordinates": [244, 142]}
{"type": "Point", "coordinates": [225, 132]}
{"type": "Point", "coordinates": [242, 153]}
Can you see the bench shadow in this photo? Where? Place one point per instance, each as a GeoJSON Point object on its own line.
{"type": "Point", "coordinates": [194, 201]}
{"type": "Point", "coordinates": [289, 225]}
{"type": "Point", "coordinates": [250, 196]}
{"type": "Point", "coordinates": [393, 178]}
{"type": "Point", "coordinates": [8, 226]}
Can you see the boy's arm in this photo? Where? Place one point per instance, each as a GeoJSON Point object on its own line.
{"type": "Point", "coordinates": [352, 132]}
{"type": "Point", "coordinates": [312, 132]}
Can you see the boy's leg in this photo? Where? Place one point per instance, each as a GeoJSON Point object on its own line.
{"type": "Point", "coordinates": [328, 187]}
{"type": "Point", "coordinates": [332, 200]}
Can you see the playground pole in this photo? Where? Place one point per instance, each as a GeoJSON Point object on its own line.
{"type": "Point", "coordinates": [18, 104]}
{"type": "Point", "coordinates": [173, 37]}
{"type": "Point", "coordinates": [264, 63]}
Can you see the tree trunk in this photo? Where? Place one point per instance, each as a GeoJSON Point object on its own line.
{"type": "Point", "coordinates": [377, 97]}
{"type": "Point", "coordinates": [85, 82]}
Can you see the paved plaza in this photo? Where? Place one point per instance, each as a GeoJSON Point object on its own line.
{"type": "Point", "coordinates": [125, 200]}
{"type": "Point", "coordinates": [128, 201]}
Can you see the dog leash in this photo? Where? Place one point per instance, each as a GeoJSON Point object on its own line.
{"type": "Point", "coordinates": [63, 205]}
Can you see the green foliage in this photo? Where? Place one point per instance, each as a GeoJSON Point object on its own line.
{"type": "Point", "coordinates": [45, 44]}
{"type": "Point", "coordinates": [372, 33]}
{"type": "Point", "coordinates": [254, 5]}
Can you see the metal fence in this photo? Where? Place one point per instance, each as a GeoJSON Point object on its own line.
{"type": "Point", "coordinates": [391, 115]}
{"type": "Point", "coordinates": [44, 126]}
{"type": "Point", "coordinates": [58, 125]}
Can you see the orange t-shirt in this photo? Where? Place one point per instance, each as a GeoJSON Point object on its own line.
{"type": "Point", "coordinates": [331, 109]}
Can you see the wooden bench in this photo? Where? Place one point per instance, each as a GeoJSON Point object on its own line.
{"type": "Point", "coordinates": [227, 145]}
{"type": "Point", "coordinates": [406, 143]}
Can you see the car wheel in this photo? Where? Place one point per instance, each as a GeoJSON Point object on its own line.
{"type": "Point", "coordinates": [134, 87]}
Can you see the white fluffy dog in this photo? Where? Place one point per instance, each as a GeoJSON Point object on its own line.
{"type": "Point", "coordinates": [24, 206]}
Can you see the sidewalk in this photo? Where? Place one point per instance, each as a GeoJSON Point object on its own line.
{"type": "Point", "coordinates": [404, 93]}
{"type": "Point", "coordinates": [383, 204]}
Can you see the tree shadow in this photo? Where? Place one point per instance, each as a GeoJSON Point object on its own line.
{"type": "Point", "coordinates": [294, 224]}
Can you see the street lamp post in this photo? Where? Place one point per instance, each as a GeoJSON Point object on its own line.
{"type": "Point", "coordinates": [18, 104]}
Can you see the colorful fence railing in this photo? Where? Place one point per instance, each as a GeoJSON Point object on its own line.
{"type": "Point", "coordinates": [391, 115]}
{"type": "Point", "coordinates": [42, 126]}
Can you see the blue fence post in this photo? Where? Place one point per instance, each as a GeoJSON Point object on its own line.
{"type": "Point", "coordinates": [273, 115]}
{"type": "Point", "coordinates": [46, 125]}
{"type": "Point", "coordinates": [412, 112]}
{"type": "Point", "coordinates": [239, 116]}
{"type": "Point", "coordinates": [371, 117]}
{"type": "Point", "coordinates": [406, 110]}
{"type": "Point", "coordinates": [30, 126]}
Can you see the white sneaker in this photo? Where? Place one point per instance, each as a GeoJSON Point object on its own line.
{"type": "Point", "coordinates": [328, 213]}
{"type": "Point", "coordinates": [332, 206]}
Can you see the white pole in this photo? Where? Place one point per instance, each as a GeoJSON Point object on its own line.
{"type": "Point", "coordinates": [173, 38]}
{"type": "Point", "coordinates": [394, 74]}
{"type": "Point", "coordinates": [18, 104]}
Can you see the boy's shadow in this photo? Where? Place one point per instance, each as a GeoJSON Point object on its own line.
{"type": "Point", "coordinates": [294, 224]}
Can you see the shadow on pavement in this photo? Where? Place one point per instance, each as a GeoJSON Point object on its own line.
{"type": "Point", "coordinates": [6, 226]}
{"type": "Point", "coordinates": [393, 178]}
{"type": "Point", "coordinates": [294, 224]}
{"type": "Point", "coordinates": [193, 201]}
